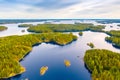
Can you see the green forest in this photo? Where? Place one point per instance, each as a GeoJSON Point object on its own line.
{"type": "Point", "coordinates": [91, 45]}
{"type": "Point", "coordinates": [114, 38]}
{"type": "Point", "coordinates": [113, 33]}
{"type": "Point", "coordinates": [14, 48]}
{"type": "Point", "coordinates": [2, 28]}
{"type": "Point", "coordinates": [25, 25]}
{"type": "Point", "coordinates": [40, 28]}
{"type": "Point", "coordinates": [103, 64]}
{"type": "Point", "coordinates": [80, 33]}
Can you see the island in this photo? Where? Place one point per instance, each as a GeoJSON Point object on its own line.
{"type": "Point", "coordinates": [114, 38]}
{"type": "Point", "coordinates": [118, 25]}
{"type": "Point", "coordinates": [103, 64]}
{"type": "Point", "coordinates": [43, 70]}
{"type": "Point", "coordinates": [25, 25]}
{"type": "Point", "coordinates": [22, 30]}
{"type": "Point", "coordinates": [80, 33]}
{"type": "Point", "coordinates": [14, 21]}
{"type": "Point", "coordinates": [2, 28]}
{"type": "Point", "coordinates": [67, 63]}
{"type": "Point", "coordinates": [91, 45]}
{"type": "Point", "coordinates": [45, 28]}
{"type": "Point", "coordinates": [12, 51]}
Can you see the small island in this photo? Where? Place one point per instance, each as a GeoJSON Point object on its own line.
{"type": "Point", "coordinates": [43, 70]}
{"type": "Point", "coordinates": [2, 28]}
{"type": "Point", "coordinates": [22, 30]}
{"type": "Point", "coordinates": [25, 25]}
{"type": "Point", "coordinates": [118, 25]}
{"type": "Point", "coordinates": [67, 63]}
{"type": "Point", "coordinates": [80, 33]}
{"type": "Point", "coordinates": [111, 26]}
{"type": "Point", "coordinates": [103, 64]}
{"type": "Point", "coordinates": [91, 45]}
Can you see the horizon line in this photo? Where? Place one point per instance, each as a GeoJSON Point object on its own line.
{"type": "Point", "coordinates": [57, 18]}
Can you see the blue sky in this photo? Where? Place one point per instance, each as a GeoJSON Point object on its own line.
{"type": "Point", "coordinates": [59, 8]}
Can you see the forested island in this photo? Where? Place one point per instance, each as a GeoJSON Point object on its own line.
{"type": "Point", "coordinates": [118, 25]}
{"type": "Point", "coordinates": [40, 28]}
{"type": "Point", "coordinates": [103, 64]}
{"type": "Point", "coordinates": [91, 45]}
{"type": "Point", "coordinates": [80, 33]}
{"type": "Point", "coordinates": [2, 28]}
{"type": "Point", "coordinates": [114, 38]}
{"type": "Point", "coordinates": [12, 50]}
{"type": "Point", "coordinates": [25, 25]}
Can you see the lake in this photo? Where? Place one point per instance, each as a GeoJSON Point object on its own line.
{"type": "Point", "coordinates": [53, 56]}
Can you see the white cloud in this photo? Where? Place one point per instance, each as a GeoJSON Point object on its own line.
{"type": "Point", "coordinates": [83, 9]}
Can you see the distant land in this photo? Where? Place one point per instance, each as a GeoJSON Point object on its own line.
{"type": "Point", "coordinates": [8, 21]}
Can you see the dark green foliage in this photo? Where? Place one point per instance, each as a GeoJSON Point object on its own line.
{"type": "Point", "coordinates": [114, 38]}
{"type": "Point", "coordinates": [97, 28]}
{"type": "Point", "coordinates": [64, 28]}
{"type": "Point", "coordinates": [80, 33]}
{"type": "Point", "coordinates": [113, 33]}
{"type": "Point", "coordinates": [118, 25]}
{"type": "Point", "coordinates": [91, 45]}
{"type": "Point", "coordinates": [104, 64]}
{"type": "Point", "coordinates": [14, 48]}
{"type": "Point", "coordinates": [25, 25]}
{"type": "Point", "coordinates": [2, 28]}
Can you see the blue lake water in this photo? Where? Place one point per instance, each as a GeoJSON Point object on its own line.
{"type": "Point", "coordinates": [53, 56]}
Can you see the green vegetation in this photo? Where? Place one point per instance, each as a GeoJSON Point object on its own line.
{"type": "Point", "coordinates": [114, 38]}
{"type": "Point", "coordinates": [118, 25]}
{"type": "Point", "coordinates": [67, 63]}
{"type": "Point", "coordinates": [91, 45]}
{"type": "Point", "coordinates": [43, 70]}
{"type": "Point", "coordinates": [113, 33]}
{"type": "Point", "coordinates": [80, 33]}
{"type": "Point", "coordinates": [25, 25]}
{"type": "Point", "coordinates": [12, 50]}
{"type": "Point", "coordinates": [64, 28]}
{"type": "Point", "coordinates": [2, 28]}
{"type": "Point", "coordinates": [22, 30]}
{"type": "Point", "coordinates": [104, 64]}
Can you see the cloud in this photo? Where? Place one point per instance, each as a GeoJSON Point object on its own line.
{"type": "Point", "coordinates": [45, 4]}
{"type": "Point", "coordinates": [56, 4]}
{"type": "Point", "coordinates": [59, 9]}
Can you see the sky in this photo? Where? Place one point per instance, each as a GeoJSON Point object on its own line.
{"type": "Point", "coordinates": [59, 9]}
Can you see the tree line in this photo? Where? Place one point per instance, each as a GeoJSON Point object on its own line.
{"type": "Point", "coordinates": [103, 64]}
{"type": "Point", "coordinates": [114, 38]}
{"type": "Point", "coordinates": [41, 28]}
{"type": "Point", "coordinates": [2, 28]}
{"type": "Point", "coordinates": [14, 48]}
